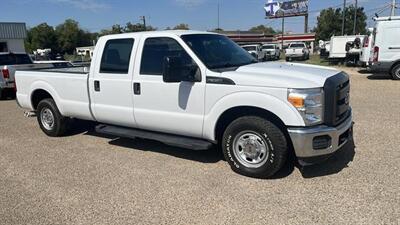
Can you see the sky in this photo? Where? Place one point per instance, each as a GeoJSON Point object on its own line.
{"type": "Point", "coordinates": [95, 15]}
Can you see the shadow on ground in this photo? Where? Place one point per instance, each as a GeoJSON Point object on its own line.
{"type": "Point", "coordinates": [375, 75]}
{"type": "Point", "coordinates": [333, 165]}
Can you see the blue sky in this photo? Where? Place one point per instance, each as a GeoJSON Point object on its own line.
{"type": "Point", "coordinates": [95, 15]}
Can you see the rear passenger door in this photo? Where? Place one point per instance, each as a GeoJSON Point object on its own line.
{"type": "Point", "coordinates": [111, 82]}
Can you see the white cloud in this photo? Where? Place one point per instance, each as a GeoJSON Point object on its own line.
{"type": "Point", "coordinates": [190, 3]}
{"type": "Point", "coordinates": [92, 5]}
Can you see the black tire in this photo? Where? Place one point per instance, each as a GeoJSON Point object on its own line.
{"type": "Point", "coordinates": [396, 72]}
{"type": "Point", "coordinates": [288, 59]}
{"type": "Point", "coordinates": [59, 124]}
{"type": "Point", "coordinates": [1, 94]}
{"type": "Point", "coordinates": [266, 134]}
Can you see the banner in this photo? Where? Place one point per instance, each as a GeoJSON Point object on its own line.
{"type": "Point", "coordinates": [293, 8]}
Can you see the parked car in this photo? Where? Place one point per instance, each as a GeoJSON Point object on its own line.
{"type": "Point", "coordinates": [9, 63]}
{"type": "Point", "coordinates": [194, 90]}
{"type": "Point", "coordinates": [297, 50]}
{"type": "Point", "coordinates": [386, 46]}
{"type": "Point", "coordinates": [255, 51]}
{"type": "Point", "coordinates": [271, 51]}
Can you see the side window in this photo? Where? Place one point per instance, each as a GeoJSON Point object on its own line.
{"type": "Point", "coordinates": [154, 52]}
{"type": "Point", "coordinates": [116, 56]}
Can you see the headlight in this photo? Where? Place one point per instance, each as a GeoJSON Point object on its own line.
{"type": "Point", "coordinates": [309, 103]}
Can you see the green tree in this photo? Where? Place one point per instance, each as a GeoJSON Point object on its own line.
{"type": "Point", "coordinates": [70, 36]}
{"type": "Point", "coordinates": [263, 29]}
{"type": "Point", "coordinates": [181, 26]}
{"type": "Point", "coordinates": [40, 37]}
{"type": "Point", "coordinates": [330, 22]}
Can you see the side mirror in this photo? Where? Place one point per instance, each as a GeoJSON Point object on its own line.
{"type": "Point", "coordinates": [175, 70]}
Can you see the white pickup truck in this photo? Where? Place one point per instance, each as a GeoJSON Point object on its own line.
{"type": "Point", "coordinates": [297, 50]}
{"type": "Point", "coordinates": [9, 63]}
{"type": "Point", "coordinates": [194, 90]}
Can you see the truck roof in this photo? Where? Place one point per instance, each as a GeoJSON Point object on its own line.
{"type": "Point", "coordinates": [173, 32]}
{"type": "Point", "coordinates": [386, 18]}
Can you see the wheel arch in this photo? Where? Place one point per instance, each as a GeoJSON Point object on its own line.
{"type": "Point", "coordinates": [42, 90]}
{"type": "Point", "coordinates": [249, 103]}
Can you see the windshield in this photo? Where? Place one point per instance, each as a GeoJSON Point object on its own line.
{"type": "Point", "coordinates": [218, 51]}
{"type": "Point", "coordinates": [15, 59]}
{"type": "Point", "coordinates": [268, 47]}
{"type": "Point", "coordinates": [297, 46]}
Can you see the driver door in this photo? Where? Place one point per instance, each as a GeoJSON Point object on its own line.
{"type": "Point", "coordinates": [176, 108]}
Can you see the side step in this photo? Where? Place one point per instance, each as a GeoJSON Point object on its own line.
{"type": "Point", "coordinates": [168, 139]}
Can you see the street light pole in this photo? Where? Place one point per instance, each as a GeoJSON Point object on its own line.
{"type": "Point", "coordinates": [393, 12]}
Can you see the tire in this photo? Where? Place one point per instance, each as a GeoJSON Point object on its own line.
{"type": "Point", "coordinates": [1, 94]}
{"type": "Point", "coordinates": [396, 72]}
{"type": "Point", "coordinates": [287, 59]}
{"type": "Point", "coordinates": [254, 147]}
{"type": "Point", "coordinates": [50, 120]}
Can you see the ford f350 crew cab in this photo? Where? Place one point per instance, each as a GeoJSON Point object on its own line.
{"type": "Point", "coordinates": [193, 90]}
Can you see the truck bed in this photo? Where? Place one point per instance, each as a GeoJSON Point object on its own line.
{"type": "Point", "coordinates": [67, 86]}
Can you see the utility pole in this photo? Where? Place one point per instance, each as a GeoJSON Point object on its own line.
{"type": "Point", "coordinates": [344, 16]}
{"type": "Point", "coordinates": [283, 29]}
{"type": "Point", "coordinates": [143, 19]}
{"type": "Point", "coordinates": [218, 27]}
{"type": "Point", "coordinates": [355, 17]}
{"type": "Point", "coordinates": [393, 12]}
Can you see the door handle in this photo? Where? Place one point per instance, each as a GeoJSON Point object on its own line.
{"type": "Point", "coordinates": [394, 48]}
{"type": "Point", "coordinates": [96, 85]}
{"type": "Point", "coordinates": [136, 88]}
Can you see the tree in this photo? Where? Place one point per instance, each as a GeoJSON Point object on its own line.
{"type": "Point", "coordinates": [70, 36]}
{"type": "Point", "coordinates": [40, 37]}
{"type": "Point", "coordinates": [181, 26]}
{"type": "Point", "coordinates": [263, 29]}
{"type": "Point", "coordinates": [330, 22]}
{"type": "Point", "coordinates": [129, 27]}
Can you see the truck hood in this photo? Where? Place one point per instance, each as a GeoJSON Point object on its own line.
{"type": "Point", "coordinates": [284, 75]}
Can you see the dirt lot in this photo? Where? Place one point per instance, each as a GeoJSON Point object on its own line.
{"type": "Point", "coordinates": [88, 179]}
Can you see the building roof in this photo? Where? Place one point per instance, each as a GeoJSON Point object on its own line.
{"type": "Point", "coordinates": [12, 30]}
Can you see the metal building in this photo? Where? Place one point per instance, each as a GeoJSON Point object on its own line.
{"type": "Point", "coordinates": [12, 36]}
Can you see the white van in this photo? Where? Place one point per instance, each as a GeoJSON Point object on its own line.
{"type": "Point", "coordinates": [386, 46]}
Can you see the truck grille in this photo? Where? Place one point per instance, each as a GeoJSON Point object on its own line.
{"type": "Point", "coordinates": [337, 97]}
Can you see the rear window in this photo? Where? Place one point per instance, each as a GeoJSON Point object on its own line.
{"type": "Point", "coordinates": [297, 46]}
{"type": "Point", "coordinates": [15, 59]}
{"type": "Point", "coordinates": [116, 56]}
{"type": "Point", "coordinates": [250, 48]}
{"type": "Point", "coordinates": [268, 47]}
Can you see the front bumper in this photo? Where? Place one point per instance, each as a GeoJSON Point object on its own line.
{"type": "Point", "coordinates": [303, 140]}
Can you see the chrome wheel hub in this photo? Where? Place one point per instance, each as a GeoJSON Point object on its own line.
{"type": "Point", "coordinates": [47, 118]}
{"type": "Point", "coordinates": [250, 149]}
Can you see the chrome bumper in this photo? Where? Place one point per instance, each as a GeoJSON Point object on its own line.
{"type": "Point", "coordinates": [302, 139]}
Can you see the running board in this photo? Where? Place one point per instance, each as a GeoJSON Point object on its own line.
{"type": "Point", "coordinates": [168, 139]}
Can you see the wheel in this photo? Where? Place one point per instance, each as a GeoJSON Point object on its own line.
{"type": "Point", "coordinates": [1, 94]}
{"type": "Point", "coordinates": [50, 119]}
{"type": "Point", "coordinates": [254, 147]}
{"type": "Point", "coordinates": [287, 59]}
{"type": "Point", "coordinates": [396, 72]}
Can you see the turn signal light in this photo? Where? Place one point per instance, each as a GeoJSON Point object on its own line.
{"type": "Point", "coordinates": [296, 101]}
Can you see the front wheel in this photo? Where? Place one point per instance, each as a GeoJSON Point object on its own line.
{"type": "Point", "coordinates": [254, 147]}
{"type": "Point", "coordinates": [50, 119]}
{"type": "Point", "coordinates": [396, 72]}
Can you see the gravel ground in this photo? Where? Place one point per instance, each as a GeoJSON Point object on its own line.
{"type": "Point", "coordinates": [85, 178]}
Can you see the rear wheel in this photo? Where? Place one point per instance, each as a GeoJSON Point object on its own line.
{"type": "Point", "coordinates": [396, 72]}
{"type": "Point", "coordinates": [50, 119]}
{"type": "Point", "coordinates": [254, 147]}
